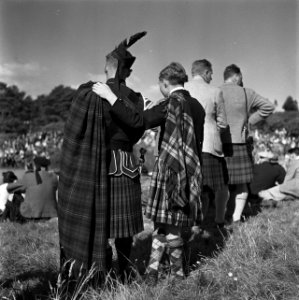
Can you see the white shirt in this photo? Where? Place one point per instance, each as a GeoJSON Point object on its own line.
{"type": "Point", "coordinates": [4, 196]}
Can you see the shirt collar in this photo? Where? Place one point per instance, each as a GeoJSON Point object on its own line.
{"type": "Point", "coordinates": [177, 89]}
{"type": "Point", "coordinates": [199, 78]}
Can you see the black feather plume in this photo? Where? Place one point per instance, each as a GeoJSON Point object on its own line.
{"type": "Point", "coordinates": [132, 40]}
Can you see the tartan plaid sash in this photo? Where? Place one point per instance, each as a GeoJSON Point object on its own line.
{"type": "Point", "coordinates": [178, 178]}
{"type": "Point", "coordinates": [83, 193]}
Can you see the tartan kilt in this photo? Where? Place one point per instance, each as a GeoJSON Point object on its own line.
{"type": "Point", "coordinates": [157, 207]}
{"type": "Point", "coordinates": [215, 174]}
{"type": "Point", "coordinates": [240, 164]}
{"type": "Point", "coordinates": [125, 206]}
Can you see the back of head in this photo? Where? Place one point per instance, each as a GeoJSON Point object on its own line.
{"type": "Point", "coordinates": [200, 66]}
{"type": "Point", "coordinates": [233, 72]}
{"type": "Point", "coordinates": [174, 73]}
{"type": "Point", "coordinates": [9, 177]}
{"type": "Point", "coordinates": [123, 57]}
{"type": "Point", "coordinates": [294, 151]}
{"type": "Point", "coordinates": [41, 162]}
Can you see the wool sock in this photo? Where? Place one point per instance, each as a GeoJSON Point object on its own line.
{"type": "Point", "coordinates": [175, 246]}
{"type": "Point", "coordinates": [158, 248]}
{"type": "Point", "coordinates": [240, 202]}
{"type": "Point", "coordinates": [221, 198]}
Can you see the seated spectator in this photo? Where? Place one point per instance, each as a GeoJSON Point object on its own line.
{"type": "Point", "coordinates": [5, 197]}
{"type": "Point", "coordinates": [290, 187]}
{"type": "Point", "coordinates": [40, 188]}
{"type": "Point", "coordinates": [266, 173]}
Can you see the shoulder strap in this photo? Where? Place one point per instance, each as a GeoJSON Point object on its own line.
{"type": "Point", "coordinates": [38, 178]}
{"type": "Point", "coordinates": [246, 104]}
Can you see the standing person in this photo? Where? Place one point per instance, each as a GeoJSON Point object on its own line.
{"type": "Point", "coordinates": [174, 203]}
{"type": "Point", "coordinates": [215, 176]}
{"type": "Point", "coordinates": [99, 189]}
{"type": "Point", "coordinates": [239, 102]}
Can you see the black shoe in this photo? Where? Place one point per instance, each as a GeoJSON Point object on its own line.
{"type": "Point", "coordinates": [220, 226]}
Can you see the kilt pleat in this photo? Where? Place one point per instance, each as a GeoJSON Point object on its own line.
{"type": "Point", "coordinates": [240, 165]}
{"type": "Point", "coordinates": [125, 207]}
{"type": "Point", "coordinates": [215, 174]}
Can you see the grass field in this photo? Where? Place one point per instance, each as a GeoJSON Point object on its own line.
{"type": "Point", "coordinates": [258, 260]}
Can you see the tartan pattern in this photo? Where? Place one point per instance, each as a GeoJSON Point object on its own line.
{"type": "Point", "coordinates": [175, 186]}
{"type": "Point", "coordinates": [125, 206]}
{"type": "Point", "coordinates": [176, 262]}
{"type": "Point", "coordinates": [240, 165]}
{"type": "Point", "coordinates": [173, 246]}
{"type": "Point", "coordinates": [214, 171]}
{"type": "Point", "coordinates": [83, 197]}
{"type": "Point", "coordinates": [158, 248]}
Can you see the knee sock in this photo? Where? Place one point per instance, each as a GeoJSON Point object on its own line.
{"type": "Point", "coordinates": [175, 246]}
{"type": "Point", "coordinates": [239, 205]}
{"type": "Point", "coordinates": [123, 248]}
{"type": "Point", "coordinates": [221, 198]}
{"type": "Point", "coordinates": [205, 203]}
{"type": "Point", "coordinates": [158, 248]}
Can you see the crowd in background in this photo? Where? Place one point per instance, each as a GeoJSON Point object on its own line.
{"type": "Point", "coordinates": [278, 141]}
{"type": "Point", "coordinates": [15, 151]}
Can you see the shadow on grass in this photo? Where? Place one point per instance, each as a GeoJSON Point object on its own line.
{"type": "Point", "coordinates": [205, 245]}
{"type": "Point", "coordinates": [29, 285]}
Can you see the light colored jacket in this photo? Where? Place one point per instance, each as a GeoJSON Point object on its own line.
{"type": "Point", "coordinates": [236, 112]}
{"type": "Point", "coordinates": [290, 186]}
{"type": "Point", "coordinates": [211, 99]}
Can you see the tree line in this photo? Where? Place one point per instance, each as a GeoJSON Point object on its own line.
{"type": "Point", "coordinates": [20, 113]}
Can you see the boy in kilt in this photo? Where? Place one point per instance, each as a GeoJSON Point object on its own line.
{"type": "Point", "coordinates": [99, 188]}
{"type": "Point", "coordinates": [239, 103]}
{"type": "Point", "coordinates": [174, 204]}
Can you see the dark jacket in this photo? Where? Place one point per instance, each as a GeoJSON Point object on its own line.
{"type": "Point", "coordinates": [156, 116]}
{"type": "Point", "coordinates": [122, 135]}
{"type": "Point", "coordinates": [265, 175]}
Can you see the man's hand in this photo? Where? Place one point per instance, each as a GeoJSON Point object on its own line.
{"type": "Point", "coordinates": [104, 91]}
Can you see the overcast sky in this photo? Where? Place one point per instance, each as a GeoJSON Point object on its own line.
{"type": "Point", "coordinates": [45, 43]}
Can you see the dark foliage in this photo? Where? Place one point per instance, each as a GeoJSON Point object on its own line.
{"type": "Point", "coordinates": [20, 113]}
{"type": "Point", "coordinates": [290, 104]}
{"type": "Point", "coordinates": [279, 120]}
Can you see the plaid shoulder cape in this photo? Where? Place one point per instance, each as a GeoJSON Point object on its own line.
{"type": "Point", "coordinates": [178, 179]}
{"type": "Point", "coordinates": [82, 190]}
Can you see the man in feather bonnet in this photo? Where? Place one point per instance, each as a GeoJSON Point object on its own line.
{"type": "Point", "coordinates": [99, 189]}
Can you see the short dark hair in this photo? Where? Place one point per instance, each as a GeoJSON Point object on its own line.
{"type": "Point", "coordinates": [294, 150]}
{"type": "Point", "coordinates": [199, 66]}
{"type": "Point", "coordinates": [174, 73]}
{"type": "Point", "coordinates": [230, 71]}
{"type": "Point", "coordinates": [9, 177]}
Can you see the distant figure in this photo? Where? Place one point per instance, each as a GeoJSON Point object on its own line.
{"type": "Point", "coordinates": [5, 197]}
{"type": "Point", "coordinates": [215, 176]}
{"type": "Point", "coordinates": [266, 173]}
{"type": "Point", "coordinates": [290, 186]}
{"type": "Point", "coordinates": [239, 102]}
{"type": "Point", "coordinates": [40, 188]}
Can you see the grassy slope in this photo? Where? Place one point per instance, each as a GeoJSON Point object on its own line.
{"type": "Point", "coordinates": [260, 260]}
